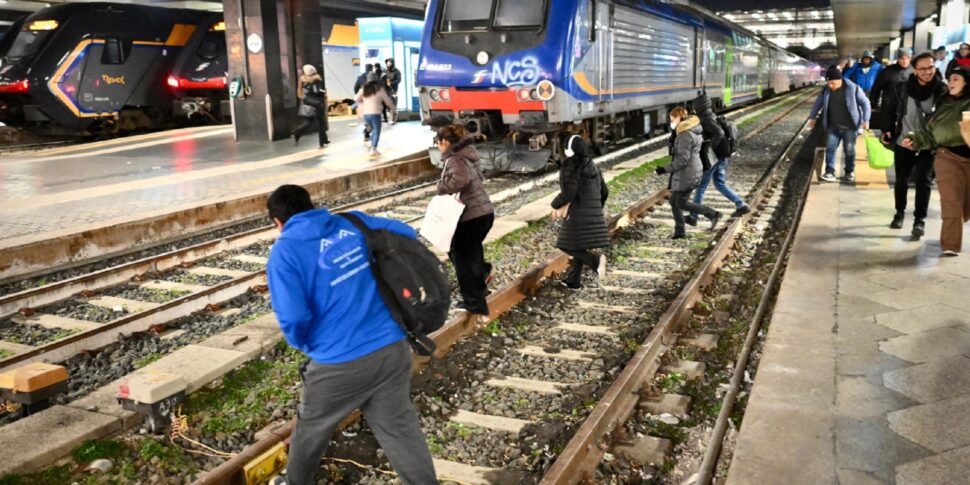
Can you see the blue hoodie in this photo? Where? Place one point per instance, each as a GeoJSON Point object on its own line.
{"type": "Point", "coordinates": [323, 292]}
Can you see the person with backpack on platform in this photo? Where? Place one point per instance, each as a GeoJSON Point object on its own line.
{"type": "Point", "coordinates": [462, 175]}
{"type": "Point", "coordinates": [329, 306]}
{"type": "Point", "coordinates": [723, 149]}
{"type": "Point", "coordinates": [579, 204]}
{"type": "Point", "coordinates": [845, 109]}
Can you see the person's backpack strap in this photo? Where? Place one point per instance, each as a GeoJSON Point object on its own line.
{"type": "Point", "coordinates": [422, 344]}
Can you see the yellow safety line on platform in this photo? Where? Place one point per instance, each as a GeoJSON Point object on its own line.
{"type": "Point", "coordinates": [866, 177]}
{"type": "Point", "coordinates": [130, 146]}
{"type": "Point", "coordinates": [341, 161]}
{"type": "Point", "coordinates": [126, 140]}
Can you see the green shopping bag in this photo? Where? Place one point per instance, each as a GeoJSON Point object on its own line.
{"type": "Point", "coordinates": [880, 157]}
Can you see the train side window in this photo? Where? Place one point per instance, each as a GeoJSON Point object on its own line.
{"type": "Point", "coordinates": [115, 51]}
{"type": "Point", "coordinates": [591, 19]}
{"type": "Point", "coordinates": [462, 16]}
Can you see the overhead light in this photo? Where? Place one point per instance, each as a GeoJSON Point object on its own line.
{"type": "Point", "coordinates": [815, 14]}
{"type": "Point", "coordinates": [789, 16]}
{"type": "Point", "coordinates": [756, 15]}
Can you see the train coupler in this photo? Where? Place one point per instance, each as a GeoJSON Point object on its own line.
{"type": "Point", "coordinates": [33, 386]}
{"type": "Point", "coordinates": [153, 395]}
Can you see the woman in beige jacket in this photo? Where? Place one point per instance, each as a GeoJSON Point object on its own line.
{"type": "Point", "coordinates": [371, 100]}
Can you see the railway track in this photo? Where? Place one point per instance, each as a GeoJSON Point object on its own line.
{"type": "Point", "coordinates": [203, 276]}
{"type": "Point", "coordinates": [570, 339]}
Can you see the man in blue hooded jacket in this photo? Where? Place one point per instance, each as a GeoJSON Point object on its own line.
{"type": "Point", "coordinates": [328, 305]}
{"type": "Point", "coordinates": [865, 72]}
{"type": "Point", "coordinates": [845, 110]}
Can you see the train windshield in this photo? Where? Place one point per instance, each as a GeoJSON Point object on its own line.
{"type": "Point", "coordinates": [27, 43]}
{"type": "Point", "coordinates": [463, 16]}
{"type": "Point", "coordinates": [213, 45]}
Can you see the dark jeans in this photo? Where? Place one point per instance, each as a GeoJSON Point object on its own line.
{"type": "Point", "coordinates": [917, 167]}
{"type": "Point", "coordinates": [468, 256]}
{"type": "Point", "coordinates": [679, 202]}
{"type": "Point", "coordinates": [580, 258]}
{"type": "Point", "coordinates": [834, 136]}
{"type": "Point", "coordinates": [306, 125]}
{"type": "Point", "coordinates": [379, 384]}
{"type": "Point", "coordinates": [718, 173]}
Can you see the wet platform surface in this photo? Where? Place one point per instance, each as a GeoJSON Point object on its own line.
{"type": "Point", "coordinates": [865, 377]}
{"type": "Point", "coordinates": [99, 182]}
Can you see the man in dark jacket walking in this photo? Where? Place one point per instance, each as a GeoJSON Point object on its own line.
{"type": "Point", "coordinates": [910, 112]}
{"type": "Point", "coordinates": [844, 109]}
{"type": "Point", "coordinates": [329, 307]}
{"type": "Point", "coordinates": [392, 79]}
{"type": "Point", "coordinates": [579, 204]}
{"type": "Point", "coordinates": [685, 170]}
{"type": "Point", "coordinates": [889, 81]}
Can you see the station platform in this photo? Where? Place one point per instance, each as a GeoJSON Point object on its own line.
{"type": "Point", "coordinates": [80, 187]}
{"type": "Point", "coordinates": [865, 374]}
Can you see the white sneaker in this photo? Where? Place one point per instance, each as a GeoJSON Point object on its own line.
{"type": "Point", "coordinates": [601, 270]}
{"type": "Point", "coordinates": [375, 153]}
{"type": "Point", "coordinates": [950, 254]}
{"type": "Point", "coordinates": [827, 177]}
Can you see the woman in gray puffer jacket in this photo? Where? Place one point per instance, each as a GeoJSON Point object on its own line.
{"type": "Point", "coordinates": [463, 175]}
{"type": "Point", "coordinates": [582, 195]}
{"type": "Point", "coordinates": [686, 169]}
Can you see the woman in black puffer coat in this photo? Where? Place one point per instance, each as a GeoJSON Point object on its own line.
{"type": "Point", "coordinates": [582, 197]}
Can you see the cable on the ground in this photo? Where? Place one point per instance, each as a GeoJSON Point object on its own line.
{"type": "Point", "coordinates": [180, 424]}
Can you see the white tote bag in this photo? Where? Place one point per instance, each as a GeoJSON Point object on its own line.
{"type": "Point", "coordinates": [441, 220]}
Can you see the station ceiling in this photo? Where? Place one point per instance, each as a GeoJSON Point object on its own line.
{"type": "Point", "coordinates": [347, 9]}
{"type": "Point", "coordinates": [866, 24]}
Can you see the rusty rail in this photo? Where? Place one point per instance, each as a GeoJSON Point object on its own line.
{"type": "Point", "coordinates": [463, 325]}
{"type": "Point", "coordinates": [585, 450]}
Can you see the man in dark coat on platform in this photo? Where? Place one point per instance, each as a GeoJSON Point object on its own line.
{"type": "Point", "coordinates": [580, 202]}
{"type": "Point", "coordinates": [888, 84]}
{"type": "Point", "coordinates": [910, 111]}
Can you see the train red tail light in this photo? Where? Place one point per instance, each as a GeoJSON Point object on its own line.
{"type": "Point", "coordinates": [445, 95]}
{"type": "Point", "coordinates": [16, 87]}
{"type": "Point", "coordinates": [173, 82]}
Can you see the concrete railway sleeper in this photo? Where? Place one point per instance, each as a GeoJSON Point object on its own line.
{"type": "Point", "coordinates": [241, 265]}
{"type": "Point", "coordinates": [570, 339]}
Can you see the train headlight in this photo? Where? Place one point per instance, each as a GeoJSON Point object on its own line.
{"type": "Point", "coordinates": [482, 58]}
{"type": "Point", "coordinates": [534, 95]}
{"type": "Point", "coordinates": [524, 94]}
{"type": "Point", "coordinates": [433, 94]}
{"type": "Point", "coordinates": [445, 95]}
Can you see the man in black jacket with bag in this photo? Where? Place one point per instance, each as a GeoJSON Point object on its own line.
{"type": "Point", "coordinates": [909, 112]}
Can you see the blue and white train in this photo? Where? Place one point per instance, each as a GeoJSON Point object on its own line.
{"type": "Point", "coordinates": [518, 73]}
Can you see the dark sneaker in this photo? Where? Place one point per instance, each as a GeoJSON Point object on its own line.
{"type": "Point", "coordinates": [679, 236]}
{"type": "Point", "coordinates": [919, 228]}
{"type": "Point", "coordinates": [740, 211]}
{"type": "Point", "coordinates": [849, 177]}
{"type": "Point", "coordinates": [571, 285]}
{"type": "Point", "coordinates": [716, 217]}
{"type": "Point", "coordinates": [897, 222]}
{"type": "Point", "coordinates": [690, 220]}
{"type": "Point", "coordinates": [827, 177]}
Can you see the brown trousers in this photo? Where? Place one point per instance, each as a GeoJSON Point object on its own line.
{"type": "Point", "coordinates": [953, 179]}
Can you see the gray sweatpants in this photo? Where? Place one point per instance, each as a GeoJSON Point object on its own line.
{"type": "Point", "coordinates": [379, 384]}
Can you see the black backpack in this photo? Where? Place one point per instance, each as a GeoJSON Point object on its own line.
{"type": "Point", "coordinates": [729, 145]}
{"type": "Point", "coordinates": [412, 282]}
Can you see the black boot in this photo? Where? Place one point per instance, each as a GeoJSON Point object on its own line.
{"type": "Point", "coordinates": [574, 275]}
{"type": "Point", "coordinates": [919, 228]}
{"type": "Point", "coordinates": [716, 216]}
{"type": "Point", "coordinates": [897, 222]}
{"type": "Point", "coordinates": [296, 139]}
{"type": "Point", "coordinates": [690, 220]}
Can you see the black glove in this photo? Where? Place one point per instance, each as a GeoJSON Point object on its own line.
{"type": "Point", "coordinates": [661, 170]}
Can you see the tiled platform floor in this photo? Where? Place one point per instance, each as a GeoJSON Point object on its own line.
{"type": "Point", "coordinates": [96, 183]}
{"type": "Point", "coordinates": [865, 377]}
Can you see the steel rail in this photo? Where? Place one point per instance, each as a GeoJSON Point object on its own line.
{"type": "Point", "coordinates": [585, 450]}
{"type": "Point", "coordinates": [713, 451]}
